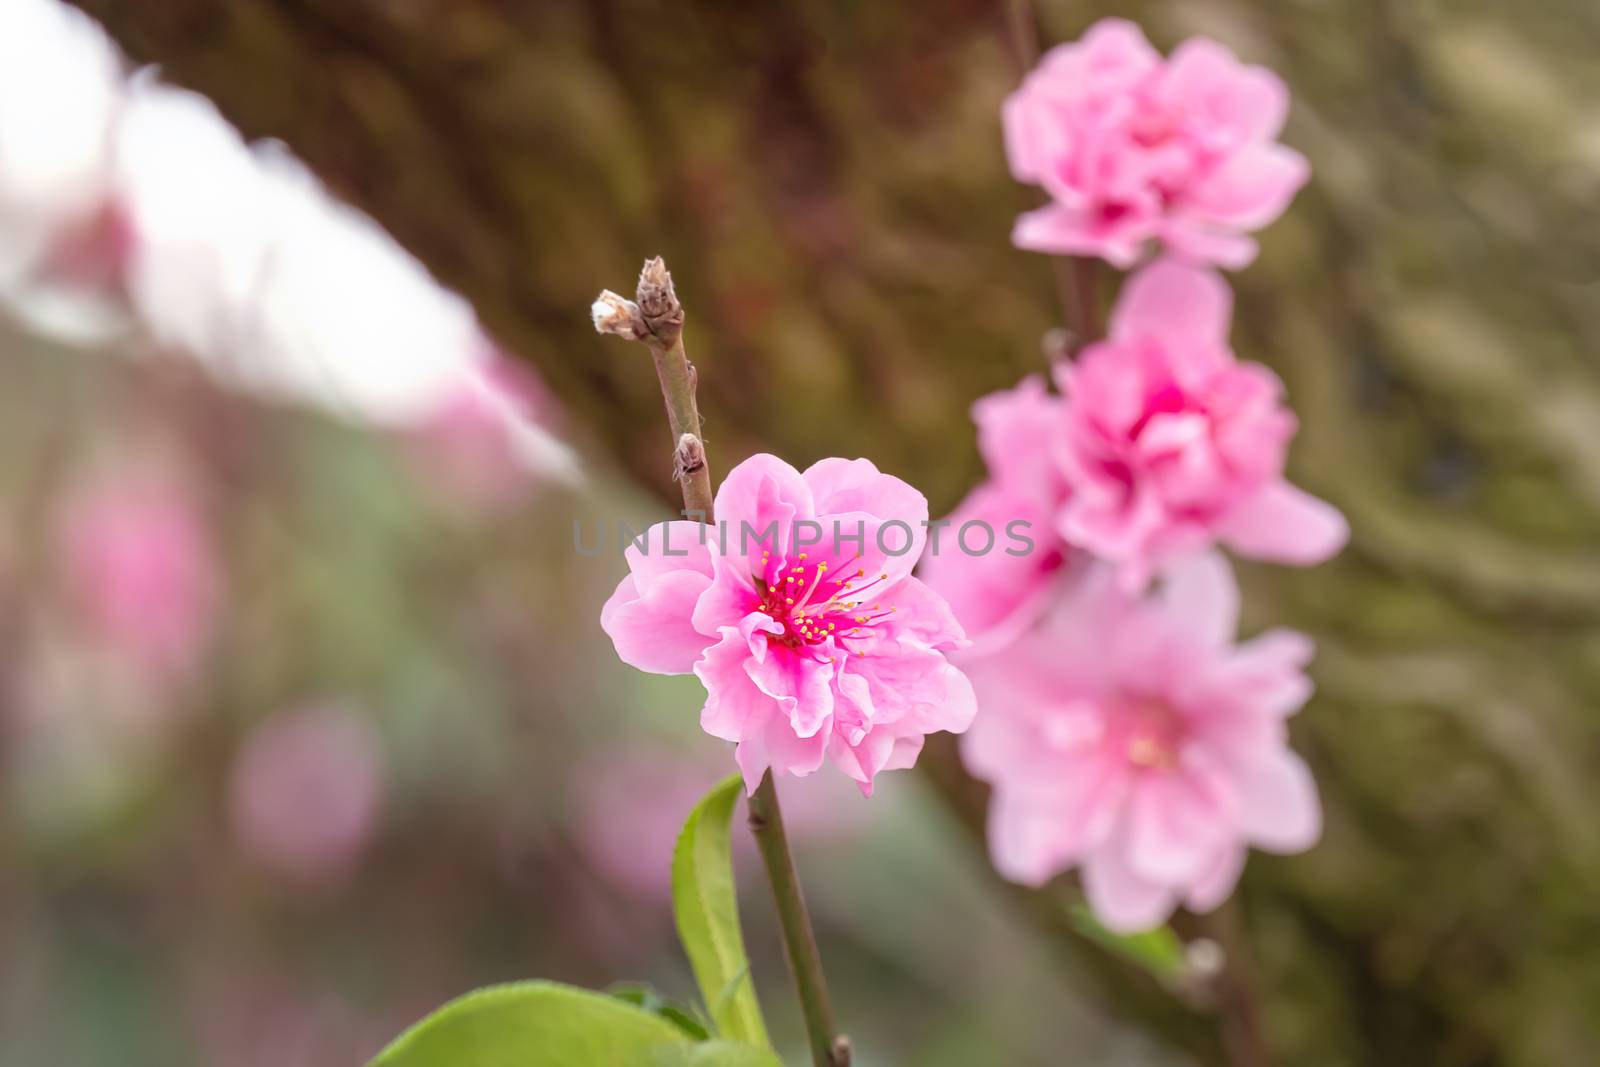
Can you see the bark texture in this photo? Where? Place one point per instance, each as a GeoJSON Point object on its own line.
{"type": "Point", "coordinates": [826, 181]}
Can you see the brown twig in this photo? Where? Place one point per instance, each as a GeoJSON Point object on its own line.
{"type": "Point", "coordinates": [656, 317]}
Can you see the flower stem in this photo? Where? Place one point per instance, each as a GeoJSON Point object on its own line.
{"type": "Point", "coordinates": [800, 944]}
{"type": "Point", "coordinates": [1077, 277]}
{"type": "Point", "coordinates": [1240, 1000]}
{"type": "Point", "coordinates": [660, 326]}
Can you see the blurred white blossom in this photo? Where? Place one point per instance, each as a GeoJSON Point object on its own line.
{"type": "Point", "coordinates": [123, 197]}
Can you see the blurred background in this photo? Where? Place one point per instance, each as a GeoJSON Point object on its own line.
{"type": "Point", "coordinates": [304, 731]}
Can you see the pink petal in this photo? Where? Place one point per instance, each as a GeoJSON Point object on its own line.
{"type": "Point", "coordinates": [1281, 812]}
{"type": "Point", "coordinates": [855, 495]}
{"type": "Point", "coordinates": [1251, 190]}
{"type": "Point", "coordinates": [1027, 840]}
{"type": "Point", "coordinates": [1185, 306]}
{"type": "Point", "coordinates": [924, 615]}
{"type": "Point", "coordinates": [1121, 900]}
{"type": "Point", "coordinates": [917, 685]}
{"type": "Point", "coordinates": [1034, 136]}
{"type": "Point", "coordinates": [1173, 827]}
{"type": "Point", "coordinates": [761, 494]}
{"type": "Point", "coordinates": [1117, 49]}
{"type": "Point", "coordinates": [1015, 429]}
{"type": "Point", "coordinates": [1267, 673]}
{"type": "Point", "coordinates": [800, 687]}
{"type": "Point", "coordinates": [1283, 524]}
{"type": "Point", "coordinates": [667, 547]}
{"type": "Point", "coordinates": [788, 753]}
{"type": "Point", "coordinates": [1191, 241]}
{"type": "Point", "coordinates": [1059, 230]}
{"type": "Point", "coordinates": [1201, 593]}
{"type": "Point", "coordinates": [995, 594]}
{"type": "Point", "coordinates": [729, 597]}
{"type": "Point", "coordinates": [1216, 884]}
{"type": "Point", "coordinates": [1248, 103]}
{"type": "Point", "coordinates": [649, 617]}
{"type": "Point", "coordinates": [735, 708]}
{"type": "Point", "coordinates": [651, 631]}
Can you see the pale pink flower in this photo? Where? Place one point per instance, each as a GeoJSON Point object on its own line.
{"type": "Point", "coordinates": [1135, 740]}
{"type": "Point", "coordinates": [1169, 443]}
{"type": "Point", "coordinates": [141, 569]}
{"type": "Point", "coordinates": [1134, 148]}
{"type": "Point", "coordinates": [306, 793]}
{"type": "Point", "coordinates": [997, 593]}
{"type": "Point", "coordinates": [811, 637]}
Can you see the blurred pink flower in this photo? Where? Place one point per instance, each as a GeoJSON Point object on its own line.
{"type": "Point", "coordinates": [141, 569]}
{"type": "Point", "coordinates": [1170, 443]}
{"type": "Point", "coordinates": [1134, 739]}
{"type": "Point", "coordinates": [307, 791]}
{"type": "Point", "coordinates": [997, 594]}
{"type": "Point", "coordinates": [632, 802]}
{"type": "Point", "coordinates": [467, 452]}
{"type": "Point", "coordinates": [808, 650]}
{"type": "Point", "coordinates": [1133, 148]}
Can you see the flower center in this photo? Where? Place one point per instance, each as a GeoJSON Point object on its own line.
{"type": "Point", "coordinates": [1155, 735]}
{"type": "Point", "coordinates": [814, 603]}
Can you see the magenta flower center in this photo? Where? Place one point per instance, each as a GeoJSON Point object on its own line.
{"type": "Point", "coordinates": [814, 603]}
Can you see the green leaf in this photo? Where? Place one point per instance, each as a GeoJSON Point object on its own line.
{"type": "Point", "coordinates": [708, 916]}
{"type": "Point", "coordinates": [542, 1024]}
{"type": "Point", "coordinates": [1158, 951]}
{"type": "Point", "coordinates": [691, 1022]}
{"type": "Point", "coordinates": [727, 1054]}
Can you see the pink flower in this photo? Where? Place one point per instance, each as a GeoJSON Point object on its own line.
{"type": "Point", "coordinates": [801, 618]}
{"type": "Point", "coordinates": [1133, 148]}
{"type": "Point", "coordinates": [1169, 443]}
{"type": "Point", "coordinates": [996, 594]}
{"type": "Point", "coordinates": [141, 570]}
{"type": "Point", "coordinates": [307, 793]}
{"type": "Point", "coordinates": [1133, 739]}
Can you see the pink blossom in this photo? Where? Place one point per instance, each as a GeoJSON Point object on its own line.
{"type": "Point", "coordinates": [998, 593]}
{"type": "Point", "coordinates": [1132, 148]}
{"type": "Point", "coordinates": [1169, 443]}
{"type": "Point", "coordinates": [141, 569]}
{"type": "Point", "coordinates": [1134, 739]}
{"type": "Point", "coordinates": [307, 792]}
{"type": "Point", "coordinates": [801, 619]}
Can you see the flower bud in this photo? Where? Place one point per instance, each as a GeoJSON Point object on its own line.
{"type": "Point", "coordinates": [616, 314]}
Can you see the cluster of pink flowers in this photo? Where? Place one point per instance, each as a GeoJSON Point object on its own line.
{"type": "Point", "coordinates": [1123, 730]}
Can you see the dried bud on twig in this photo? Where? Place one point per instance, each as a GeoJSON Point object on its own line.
{"type": "Point", "coordinates": [688, 458]}
{"type": "Point", "coordinates": [658, 302]}
{"type": "Point", "coordinates": [616, 314]}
